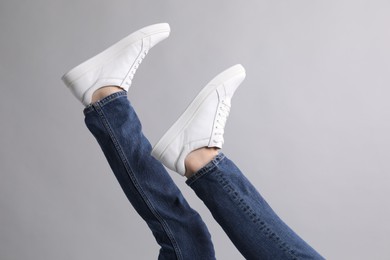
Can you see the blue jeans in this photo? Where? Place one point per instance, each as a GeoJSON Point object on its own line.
{"type": "Point", "coordinates": [250, 223]}
{"type": "Point", "coordinates": [248, 220]}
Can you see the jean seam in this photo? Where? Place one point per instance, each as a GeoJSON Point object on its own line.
{"type": "Point", "coordinates": [268, 232]}
{"type": "Point", "coordinates": [97, 107]}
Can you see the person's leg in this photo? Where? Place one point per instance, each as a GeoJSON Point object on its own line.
{"type": "Point", "coordinates": [177, 228]}
{"type": "Point", "coordinates": [251, 224]}
{"type": "Point", "coordinates": [189, 146]}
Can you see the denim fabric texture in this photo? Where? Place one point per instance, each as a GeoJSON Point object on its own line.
{"type": "Point", "coordinates": [251, 224]}
{"type": "Point", "coordinates": [177, 228]}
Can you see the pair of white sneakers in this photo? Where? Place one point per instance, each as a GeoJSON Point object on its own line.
{"type": "Point", "coordinates": [202, 123]}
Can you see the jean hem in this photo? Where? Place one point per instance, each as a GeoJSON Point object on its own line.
{"type": "Point", "coordinates": [104, 101]}
{"type": "Point", "coordinates": [205, 169]}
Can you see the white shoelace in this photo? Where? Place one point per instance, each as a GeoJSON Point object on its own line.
{"type": "Point", "coordinates": [220, 122]}
{"type": "Point", "coordinates": [135, 67]}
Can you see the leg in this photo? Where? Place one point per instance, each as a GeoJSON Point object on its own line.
{"type": "Point", "coordinates": [189, 146]}
{"type": "Point", "coordinates": [251, 224]}
{"type": "Point", "coordinates": [177, 228]}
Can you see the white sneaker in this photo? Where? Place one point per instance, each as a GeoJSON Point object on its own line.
{"type": "Point", "coordinates": [202, 123]}
{"type": "Point", "coordinates": [115, 65]}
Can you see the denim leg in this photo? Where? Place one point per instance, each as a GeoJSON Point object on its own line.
{"type": "Point", "coordinates": [177, 228]}
{"type": "Point", "coordinates": [250, 223]}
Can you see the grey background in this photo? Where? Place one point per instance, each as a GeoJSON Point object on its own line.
{"type": "Point", "coordinates": [309, 126]}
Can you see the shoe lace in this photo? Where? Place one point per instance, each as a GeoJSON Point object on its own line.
{"type": "Point", "coordinates": [134, 68]}
{"type": "Point", "coordinates": [220, 122]}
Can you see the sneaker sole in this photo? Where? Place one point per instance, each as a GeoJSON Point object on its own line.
{"type": "Point", "coordinates": [111, 52]}
{"type": "Point", "coordinates": [187, 116]}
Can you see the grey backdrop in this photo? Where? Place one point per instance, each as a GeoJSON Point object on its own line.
{"type": "Point", "coordinates": [309, 126]}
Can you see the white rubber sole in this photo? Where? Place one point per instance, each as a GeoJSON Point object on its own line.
{"type": "Point", "coordinates": [98, 60]}
{"type": "Point", "coordinates": [187, 116]}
